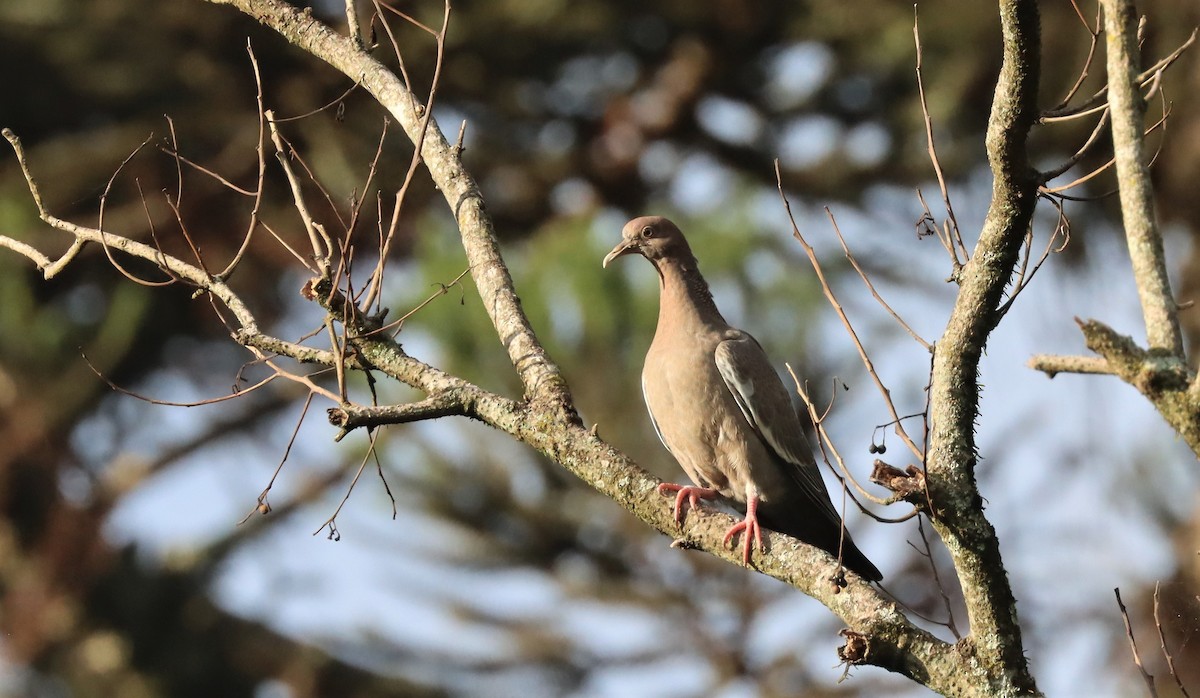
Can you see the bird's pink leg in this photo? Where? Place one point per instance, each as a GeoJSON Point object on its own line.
{"type": "Point", "coordinates": [749, 528]}
{"type": "Point", "coordinates": [686, 493]}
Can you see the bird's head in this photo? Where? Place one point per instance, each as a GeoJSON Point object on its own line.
{"type": "Point", "coordinates": [653, 237]}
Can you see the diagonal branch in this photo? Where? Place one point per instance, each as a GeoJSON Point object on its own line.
{"type": "Point", "coordinates": [541, 377]}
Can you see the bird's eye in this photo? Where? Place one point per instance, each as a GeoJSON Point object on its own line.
{"type": "Point", "coordinates": [648, 232]}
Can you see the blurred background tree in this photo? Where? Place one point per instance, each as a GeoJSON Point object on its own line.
{"type": "Point", "coordinates": [124, 572]}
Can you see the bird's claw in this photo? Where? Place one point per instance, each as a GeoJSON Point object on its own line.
{"type": "Point", "coordinates": [685, 493]}
{"type": "Point", "coordinates": [752, 535]}
{"type": "Point", "coordinates": [750, 529]}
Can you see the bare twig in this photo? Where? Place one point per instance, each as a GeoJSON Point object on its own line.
{"type": "Point", "coordinates": [443, 289]}
{"type": "Point", "coordinates": [375, 287]}
{"type": "Point", "coordinates": [1081, 152]}
{"type": "Point", "coordinates": [1062, 229]}
{"type": "Point", "coordinates": [871, 287]}
{"type": "Point", "coordinates": [1162, 639]}
{"type": "Point", "coordinates": [349, 417]}
{"type": "Point", "coordinates": [841, 313]}
{"type": "Point", "coordinates": [356, 208]}
{"type": "Point", "coordinates": [263, 506]}
{"type": "Point", "coordinates": [170, 264]}
{"type": "Point", "coordinates": [1137, 660]}
{"type": "Point", "coordinates": [322, 246]}
{"type": "Point", "coordinates": [937, 578]}
{"type": "Point", "coordinates": [100, 224]}
{"type": "Point", "coordinates": [260, 148]}
{"type": "Point", "coordinates": [168, 403]}
{"type": "Point", "coordinates": [1091, 55]}
{"type": "Point", "coordinates": [1098, 100]}
{"type": "Point", "coordinates": [954, 236]}
{"type": "Point", "coordinates": [331, 522]}
{"type": "Point", "coordinates": [825, 442]}
{"type": "Point", "coordinates": [336, 102]}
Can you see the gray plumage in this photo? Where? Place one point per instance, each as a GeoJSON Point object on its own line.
{"type": "Point", "coordinates": [721, 410]}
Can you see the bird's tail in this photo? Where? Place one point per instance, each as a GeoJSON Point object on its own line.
{"type": "Point", "coordinates": [814, 528]}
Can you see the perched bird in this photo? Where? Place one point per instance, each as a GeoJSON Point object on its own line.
{"type": "Point", "coordinates": [722, 411]}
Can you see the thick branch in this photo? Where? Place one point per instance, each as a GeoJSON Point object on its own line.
{"type": "Point", "coordinates": [541, 377]}
{"type": "Point", "coordinates": [1133, 177]}
{"type": "Point", "coordinates": [954, 390]}
{"type": "Point", "coordinates": [1161, 377]}
{"type": "Point", "coordinates": [350, 417]}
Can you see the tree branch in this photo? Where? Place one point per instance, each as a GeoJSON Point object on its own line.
{"type": "Point", "coordinates": [954, 390]}
{"type": "Point", "coordinates": [349, 417]}
{"type": "Point", "coordinates": [168, 263]}
{"type": "Point", "coordinates": [990, 662]}
{"type": "Point", "coordinates": [1128, 111]}
{"type": "Point", "coordinates": [1161, 373]}
{"type": "Point", "coordinates": [541, 377]}
{"type": "Point", "coordinates": [1053, 364]}
{"type": "Point", "coordinates": [1163, 379]}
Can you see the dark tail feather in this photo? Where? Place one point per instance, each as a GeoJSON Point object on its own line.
{"type": "Point", "coordinates": [816, 530]}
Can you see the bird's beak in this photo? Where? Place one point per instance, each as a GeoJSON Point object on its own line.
{"type": "Point", "coordinates": [623, 248]}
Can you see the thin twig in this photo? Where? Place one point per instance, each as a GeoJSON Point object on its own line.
{"type": "Point", "coordinates": [1091, 55]}
{"type": "Point", "coordinates": [1062, 228]}
{"type": "Point", "coordinates": [336, 101]}
{"type": "Point", "coordinates": [1137, 660]}
{"type": "Point", "coordinates": [954, 234]}
{"type": "Point", "coordinates": [168, 403]}
{"type": "Point", "coordinates": [937, 578]}
{"type": "Point", "coordinates": [261, 149]}
{"type": "Point", "coordinates": [1162, 639]}
{"type": "Point", "coordinates": [100, 222]}
{"type": "Point", "coordinates": [1096, 101]}
{"type": "Point", "coordinates": [841, 313]}
{"type": "Point", "coordinates": [825, 442]}
{"type": "Point", "coordinates": [375, 288]}
{"type": "Point", "coordinates": [263, 506]}
{"type": "Point", "coordinates": [356, 208]}
{"type": "Point", "coordinates": [322, 246]}
{"type": "Point", "coordinates": [870, 286]}
{"type": "Point", "coordinates": [331, 522]}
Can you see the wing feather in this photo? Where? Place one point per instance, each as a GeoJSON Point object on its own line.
{"type": "Point", "coordinates": [764, 403]}
{"type": "Point", "coordinates": [653, 421]}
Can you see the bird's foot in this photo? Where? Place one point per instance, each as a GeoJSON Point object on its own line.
{"type": "Point", "coordinates": [749, 528]}
{"type": "Point", "coordinates": [686, 493]}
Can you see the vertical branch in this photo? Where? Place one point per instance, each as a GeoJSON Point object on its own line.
{"type": "Point", "coordinates": [1133, 177]}
{"type": "Point", "coordinates": [957, 508]}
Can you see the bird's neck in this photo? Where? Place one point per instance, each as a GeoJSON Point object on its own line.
{"type": "Point", "coordinates": [685, 297]}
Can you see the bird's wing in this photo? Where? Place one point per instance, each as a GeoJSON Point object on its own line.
{"type": "Point", "coordinates": [653, 421]}
{"type": "Point", "coordinates": [764, 403]}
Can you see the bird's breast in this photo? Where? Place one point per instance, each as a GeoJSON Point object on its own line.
{"type": "Point", "coordinates": [698, 419]}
